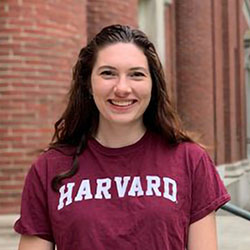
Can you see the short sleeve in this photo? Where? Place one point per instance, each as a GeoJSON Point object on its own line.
{"type": "Point", "coordinates": [208, 190]}
{"type": "Point", "coordinates": [34, 219]}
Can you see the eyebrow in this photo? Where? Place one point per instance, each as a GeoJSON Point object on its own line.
{"type": "Point", "coordinates": [106, 67]}
{"type": "Point", "coordinates": [134, 68]}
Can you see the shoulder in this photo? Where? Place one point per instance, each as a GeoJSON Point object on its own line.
{"type": "Point", "coordinates": [193, 152]}
{"type": "Point", "coordinates": [199, 162]}
{"type": "Point", "coordinates": [53, 161]}
{"type": "Point", "coordinates": [54, 154]}
{"type": "Point", "coordinates": [191, 149]}
{"type": "Point", "coordinates": [188, 154]}
{"type": "Point", "coordinates": [188, 149]}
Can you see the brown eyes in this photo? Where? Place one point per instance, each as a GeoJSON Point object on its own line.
{"type": "Point", "coordinates": [137, 74]}
{"type": "Point", "coordinates": [110, 73]}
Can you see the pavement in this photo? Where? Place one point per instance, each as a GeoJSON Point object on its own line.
{"type": "Point", "coordinates": [8, 238]}
{"type": "Point", "coordinates": [233, 233]}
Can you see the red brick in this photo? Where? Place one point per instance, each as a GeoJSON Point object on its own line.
{"type": "Point", "coordinates": [10, 187]}
{"type": "Point", "coordinates": [10, 154]}
{"type": "Point", "coordinates": [42, 48]}
{"type": "Point", "coordinates": [46, 52]}
{"type": "Point", "coordinates": [195, 67]}
{"type": "Point", "coordinates": [5, 178]}
{"type": "Point", "coordinates": [10, 138]}
{"type": "Point", "coordinates": [100, 14]}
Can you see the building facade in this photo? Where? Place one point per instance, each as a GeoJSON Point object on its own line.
{"type": "Point", "coordinates": [204, 47]}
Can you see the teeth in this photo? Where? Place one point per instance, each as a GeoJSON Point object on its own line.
{"type": "Point", "coordinates": [121, 103]}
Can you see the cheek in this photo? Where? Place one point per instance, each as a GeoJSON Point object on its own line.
{"type": "Point", "coordinates": [145, 92]}
{"type": "Point", "coordinates": [99, 102]}
{"type": "Point", "coordinates": [100, 94]}
{"type": "Point", "coordinates": [100, 88]}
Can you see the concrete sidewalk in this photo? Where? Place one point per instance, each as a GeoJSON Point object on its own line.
{"type": "Point", "coordinates": [8, 238]}
{"type": "Point", "coordinates": [233, 233]}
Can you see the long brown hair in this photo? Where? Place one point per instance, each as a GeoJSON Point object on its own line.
{"type": "Point", "coordinates": [80, 118]}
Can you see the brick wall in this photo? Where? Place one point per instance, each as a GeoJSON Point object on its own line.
{"type": "Point", "coordinates": [170, 60]}
{"type": "Point", "coordinates": [210, 74]}
{"type": "Point", "coordinates": [39, 41]}
{"type": "Point", "coordinates": [194, 68]}
{"type": "Point", "coordinates": [242, 28]}
{"type": "Point", "coordinates": [229, 28]}
{"type": "Point", "coordinates": [102, 13]}
{"type": "Point", "coordinates": [234, 80]}
{"type": "Point", "coordinates": [217, 41]}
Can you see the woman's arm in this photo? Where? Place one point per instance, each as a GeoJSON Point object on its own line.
{"type": "Point", "coordinates": [34, 242]}
{"type": "Point", "coordinates": [202, 234]}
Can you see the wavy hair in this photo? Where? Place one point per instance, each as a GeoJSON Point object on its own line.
{"type": "Point", "coordinates": [80, 119]}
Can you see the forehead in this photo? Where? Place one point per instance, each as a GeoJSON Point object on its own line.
{"type": "Point", "coordinates": [121, 53]}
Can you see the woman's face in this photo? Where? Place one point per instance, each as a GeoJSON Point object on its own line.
{"type": "Point", "coordinates": [121, 84]}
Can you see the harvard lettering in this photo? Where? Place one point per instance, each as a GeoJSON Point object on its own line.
{"type": "Point", "coordinates": [121, 183]}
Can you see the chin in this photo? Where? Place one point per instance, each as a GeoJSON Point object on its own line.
{"type": "Point", "coordinates": [122, 120]}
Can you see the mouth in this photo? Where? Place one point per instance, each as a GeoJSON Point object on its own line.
{"type": "Point", "coordinates": [122, 103]}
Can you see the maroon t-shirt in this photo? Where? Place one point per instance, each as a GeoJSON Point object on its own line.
{"type": "Point", "coordinates": [143, 196]}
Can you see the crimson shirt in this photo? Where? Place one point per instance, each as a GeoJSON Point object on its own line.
{"type": "Point", "coordinates": [143, 196]}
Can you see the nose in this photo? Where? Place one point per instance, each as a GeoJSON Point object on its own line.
{"type": "Point", "coordinates": [122, 87]}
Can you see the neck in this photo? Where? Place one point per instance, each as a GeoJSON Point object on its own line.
{"type": "Point", "coordinates": [115, 136]}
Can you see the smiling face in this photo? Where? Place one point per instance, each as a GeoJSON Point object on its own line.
{"type": "Point", "coordinates": [121, 84]}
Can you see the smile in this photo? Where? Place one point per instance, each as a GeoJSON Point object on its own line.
{"type": "Point", "coordinates": [120, 103]}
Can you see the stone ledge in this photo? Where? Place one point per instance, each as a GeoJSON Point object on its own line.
{"type": "Point", "coordinates": [8, 220]}
{"type": "Point", "coordinates": [233, 233]}
{"type": "Point", "coordinates": [232, 172]}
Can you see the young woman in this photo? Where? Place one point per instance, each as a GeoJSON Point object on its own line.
{"type": "Point", "coordinates": [120, 172]}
